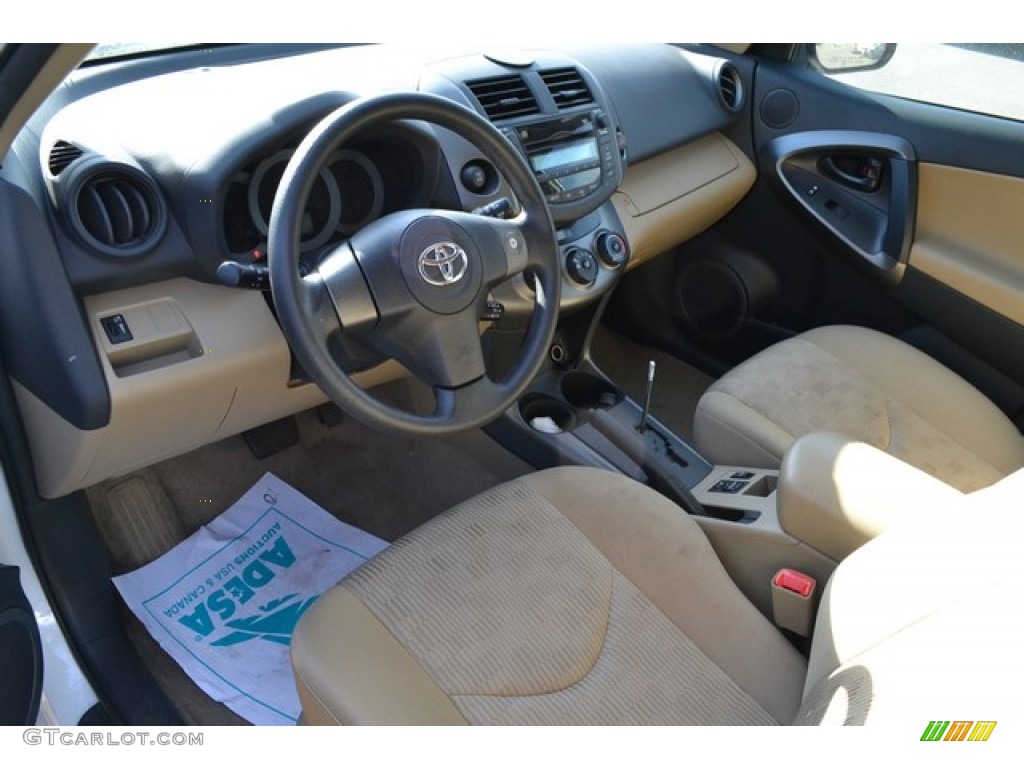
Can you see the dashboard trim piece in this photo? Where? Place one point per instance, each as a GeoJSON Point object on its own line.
{"type": "Point", "coordinates": [677, 195]}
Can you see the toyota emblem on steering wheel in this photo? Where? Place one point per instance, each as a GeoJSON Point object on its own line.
{"type": "Point", "coordinates": [443, 264]}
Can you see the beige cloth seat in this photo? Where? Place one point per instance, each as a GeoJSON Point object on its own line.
{"type": "Point", "coordinates": [868, 386]}
{"type": "Point", "coordinates": [577, 596]}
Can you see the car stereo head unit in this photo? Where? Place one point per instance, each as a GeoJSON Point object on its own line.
{"type": "Point", "coordinates": [575, 157]}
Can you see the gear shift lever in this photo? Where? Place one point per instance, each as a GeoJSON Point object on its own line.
{"type": "Point", "coordinates": [657, 452]}
{"type": "Point", "coordinates": [642, 426]}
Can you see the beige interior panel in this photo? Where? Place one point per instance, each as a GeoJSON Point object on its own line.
{"type": "Point", "coordinates": [836, 494]}
{"type": "Point", "coordinates": [680, 193]}
{"type": "Point", "coordinates": [61, 453]}
{"type": "Point", "coordinates": [206, 362]}
{"type": "Point", "coordinates": [753, 552]}
{"type": "Point", "coordinates": [970, 231]}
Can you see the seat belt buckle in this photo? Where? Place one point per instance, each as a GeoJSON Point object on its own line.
{"type": "Point", "coordinates": [793, 601]}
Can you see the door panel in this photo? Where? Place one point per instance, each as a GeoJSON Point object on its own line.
{"type": "Point", "coordinates": [939, 135]}
{"type": "Point", "coordinates": [970, 235]}
{"type": "Point", "coordinates": [965, 266]}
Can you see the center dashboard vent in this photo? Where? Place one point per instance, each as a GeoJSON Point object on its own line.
{"type": "Point", "coordinates": [567, 87]}
{"type": "Point", "coordinates": [116, 209]}
{"type": "Point", "coordinates": [504, 97]}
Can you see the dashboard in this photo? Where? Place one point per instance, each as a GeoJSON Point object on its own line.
{"type": "Point", "coordinates": [371, 177]}
{"type": "Point", "coordinates": [153, 183]}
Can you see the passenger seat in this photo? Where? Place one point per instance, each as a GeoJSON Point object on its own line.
{"type": "Point", "coordinates": [868, 386]}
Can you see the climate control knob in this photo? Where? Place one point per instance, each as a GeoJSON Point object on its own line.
{"type": "Point", "coordinates": [611, 248]}
{"type": "Point", "coordinates": [581, 266]}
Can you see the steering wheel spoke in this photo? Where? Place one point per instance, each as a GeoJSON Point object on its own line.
{"type": "Point", "coordinates": [440, 350]}
{"type": "Point", "coordinates": [340, 276]}
{"type": "Point", "coordinates": [458, 403]}
{"type": "Point", "coordinates": [504, 245]}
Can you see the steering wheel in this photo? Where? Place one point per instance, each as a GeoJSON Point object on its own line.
{"type": "Point", "coordinates": [413, 285]}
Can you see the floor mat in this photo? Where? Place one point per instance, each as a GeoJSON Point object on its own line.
{"type": "Point", "coordinates": [224, 602]}
{"type": "Point", "coordinates": [136, 518]}
{"type": "Point", "coordinates": [677, 386]}
{"type": "Point", "coordinates": [384, 484]}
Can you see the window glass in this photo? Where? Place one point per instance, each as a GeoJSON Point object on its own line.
{"type": "Point", "coordinates": [980, 77]}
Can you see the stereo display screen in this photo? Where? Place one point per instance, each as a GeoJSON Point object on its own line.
{"type": "Point", "coordinates": [559, 155]}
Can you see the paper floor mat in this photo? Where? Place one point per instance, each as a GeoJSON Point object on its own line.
{"type": "Point", "coordinates": [224, 602]}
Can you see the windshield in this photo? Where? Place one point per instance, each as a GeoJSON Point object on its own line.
{"type": "Point", "coordinates": [115, 50]}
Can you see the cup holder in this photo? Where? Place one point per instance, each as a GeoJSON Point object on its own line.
{"type": "Point", "coordinates": [546, 414]}
{"type": "Point", "coordinates": [586, 391]}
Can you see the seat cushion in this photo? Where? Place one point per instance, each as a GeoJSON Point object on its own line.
{"type": "Point", "coordinates": [866, 385]}
{"type": "Point", "coordinates": [570, 596]}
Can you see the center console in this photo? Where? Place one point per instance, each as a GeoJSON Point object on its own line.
{"type": "Point", "coordinates": [574, 415]}
{"type": "Point", "coordinates": [579, 417]}
{"type": "Point", "coordinates": [738, 494]}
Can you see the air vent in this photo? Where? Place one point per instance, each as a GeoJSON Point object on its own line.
{"type": "Point", "coordinates": [116, 209]}
{"type": "Point", "coordinates": [504, 97]}
{"type": "Point", "coordinates": [567, 87]}
{"type": "Point", "coordinates": [62, 155]}
{"type": "Point", "coordinates": [730, 87]}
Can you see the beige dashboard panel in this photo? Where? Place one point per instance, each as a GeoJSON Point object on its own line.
{"type": "Point", "coordinates": [205, 362]}
{"type": "Point", "coordinates": [678, 194]}
{"type": "Point", "coordinates": [970, 235]}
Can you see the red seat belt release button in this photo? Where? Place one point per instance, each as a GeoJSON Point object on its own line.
{"type": "Point", "coordinates": [794, 581]}
{"type": "Point", "coordinates": [793, 603]}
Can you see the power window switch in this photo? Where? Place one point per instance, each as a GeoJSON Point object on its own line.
{"type": "Point", "coordinates": [728, 486]}
{"type": "Point", "coordinates": [116, 328]}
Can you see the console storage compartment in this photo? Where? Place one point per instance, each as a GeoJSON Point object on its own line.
{"type": "Point", "coordinates": [836, 494]}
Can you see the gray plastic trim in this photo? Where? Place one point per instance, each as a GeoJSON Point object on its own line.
{"type": "Point", "coordinates": [880, 234]}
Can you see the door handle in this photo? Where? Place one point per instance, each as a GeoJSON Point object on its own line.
{"type": "Point", "coordinates": [860, 172]}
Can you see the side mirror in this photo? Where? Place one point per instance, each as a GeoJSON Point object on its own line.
{"type": "Point", "coordinates": [851, 57]}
